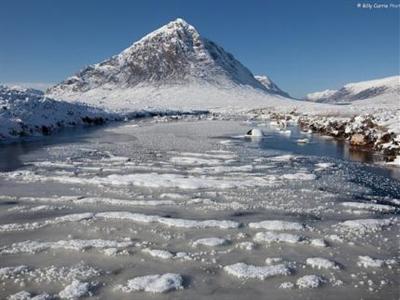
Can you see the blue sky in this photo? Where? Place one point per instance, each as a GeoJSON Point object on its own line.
{"type": "Point", "coordinates": [304, 46]}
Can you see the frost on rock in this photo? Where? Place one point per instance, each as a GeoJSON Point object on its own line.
{"type": "Point", "coordinates": [160, 283]}
{"type": "Point", "coordinates": [310, 281]}
{"type": "Point", "coordinates": [75, 290]}
{"type": "Point", "coordinates": [210, 242]}
{"type": "Point", "coordinates": [321, 263]}
{"type": "Point", "coordinates": [277, 225]}
{"type": "Point", "coordinates": [244, 271]}
{"type": "Point", "coordinates": [272, 237]}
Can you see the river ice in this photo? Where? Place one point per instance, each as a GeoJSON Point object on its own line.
{"type": "Point", "coordinates": [195, 210]}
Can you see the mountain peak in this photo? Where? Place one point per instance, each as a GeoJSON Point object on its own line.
{"type": "Point", "coordinates": [358, 91]}
{"type": "Point", "coordinates": [173, 55]}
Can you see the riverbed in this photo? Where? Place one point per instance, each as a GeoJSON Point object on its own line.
{"type": "Point", "coordinates": [215, 213]}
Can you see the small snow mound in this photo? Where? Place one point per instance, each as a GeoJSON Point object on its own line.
{"type": "Point", "coordinates": [244, 271]}
{"type": "Point", "coordinates": [310, 281]}
{"type": "Point", "coordinates": [75, 290]}
{"type": "Point", "coordinates": [159, 283]}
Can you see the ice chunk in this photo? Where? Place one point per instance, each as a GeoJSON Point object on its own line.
{"type": "Point", "coordinates": [160, 283]}
{"type": "Point", "coordinates": [310, 281]}
{"type": "Point", "coordinates": [318, 243]}
{"type": "Point", "coordinates": [367, 261]}
{"type": "Point", "coordinates": [24, 295]}
{"type": "Point", "coordinates": [244, 271]}
{"type": "Point", "coordinates": [272, 237]}
{"type": "Point", "coordinates": [370, 206]}
{"type": "Point", "coordinates": [255, 132]}
{"type": "Point", "coordinates": [142, 218]}
{"type": "Point", "coordinates": [210, 242]}
{"type": "Point", "coordinates": [163, 254]}
{"type": "Point", "coordinates": [78, 245]}
{"type": "Point", "coordinates": [321, 263]}
{"type": "Point", "coordinates": [75, 290]}
{"type": "Point", "coordinates": [363, 226]}
{"type": "Point", "coordinates": [299, 176]}
{"type": "Point", "coordinates": [277, 225]}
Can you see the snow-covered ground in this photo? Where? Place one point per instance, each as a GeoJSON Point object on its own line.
{"type": "Point", "coordinates": [27, 112]}
{"type": "Point", "coordinates": [195, 209]}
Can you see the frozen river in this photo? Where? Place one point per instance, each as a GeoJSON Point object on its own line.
{"type": "Point", "coordinates": [215, 215]}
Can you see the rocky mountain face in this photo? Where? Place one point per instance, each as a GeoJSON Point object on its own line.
{"type": "Point", "coordinates": [175, 54]}
{"type": "Point", "coordinates": [359, 91]}
{"type": "Point", "coordinates": [172, 62]}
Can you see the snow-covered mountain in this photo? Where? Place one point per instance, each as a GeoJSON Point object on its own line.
{"type": "Point", "coordinates": [26, 112]}
{"type": "Point", "coordinates": [359, 91]}
{"type": "Point", "coordinates": [173, 66]}
{"type": "Point", "coordinates": [270, 85]}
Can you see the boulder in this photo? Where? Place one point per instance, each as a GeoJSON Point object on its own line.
{"type": "Point", "coordinates": [359, 139]}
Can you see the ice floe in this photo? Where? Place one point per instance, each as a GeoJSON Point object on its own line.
{"type": "Point", "coordinates": [163, 254]}
{"type": "Point", "coordinates": [173, 222]}
{"type": "Point", "coordinates": [36, 225]}
{"type": "Point", "coordinates": [211, 242]}
{"type": "Point", "coordinates": [277, 225]}
{"type": "Point", "coordinates": [272, 237]}
{"type": "Point", "coordinates": [32, 247]}
{"type": "Point", "coordinates": [370, 262]}
{"type": "Point", "coordinates": [370, 207]}
{"type": "Point", "coordinates": [364, 226]}
{"type": "Point", "coordinates": [75, 290]}
{"type": "Point", "coordinates": [159, 283]}
{"type": "Point", "coordinates": [245, 271]}
{"type": "Point", "coordinates": [24, 295]}
{"type": "Point", "coordinates": [321, 263]}
{"type": "Point", "coordinates": [310, 281]}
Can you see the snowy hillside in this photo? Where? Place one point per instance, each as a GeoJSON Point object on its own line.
{"type": "Point", "coordinates": [270, 85]}
{"type": "Point", "coordinates": [153, 71]}
{"type": "Point", "coordinates": [359, 91]}
{"type": "Point", "coordinates": [26, 112]}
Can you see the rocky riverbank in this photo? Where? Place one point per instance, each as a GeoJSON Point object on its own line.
{"type": "Point", "coordinates": [363, 132]}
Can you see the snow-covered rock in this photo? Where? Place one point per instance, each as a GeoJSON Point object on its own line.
{"type": "Point", "coordinates": [255, 132]}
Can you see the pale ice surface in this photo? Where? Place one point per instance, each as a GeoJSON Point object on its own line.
{"type": "Point", "coordinates": [123, 211]}
{"type": "Point", "coordinates": [153, 283]}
